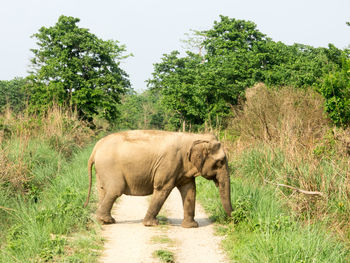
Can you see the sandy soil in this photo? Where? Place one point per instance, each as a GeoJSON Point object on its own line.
{"type": "Point", "coordinates": [129, 241]}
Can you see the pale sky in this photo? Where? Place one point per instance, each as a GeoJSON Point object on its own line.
{"type": "Point", "coordinates": [152, 28]}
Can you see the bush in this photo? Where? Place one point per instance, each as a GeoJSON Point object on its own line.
{"type": "Point", "coordinates": [336, 90]}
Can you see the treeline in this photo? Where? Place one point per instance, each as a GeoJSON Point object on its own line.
{"type": "Point", "coordinates": [76, 70]}
{"type": "Point", "coordinates": [202, 87]}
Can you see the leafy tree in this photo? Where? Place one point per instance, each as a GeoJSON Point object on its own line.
{"type": "Point", "coordinates": [74, 68]}
{"type": "Point", "coordinates": [203, 87]}
{"type": "Point", "coordinates": [336, 90]}
{"type": "Point", "coordinates": [12, 94]}
{"type": "Point", "coordinates": [175, 79]}
{"type": "Point", "coordinates": [298, 65]}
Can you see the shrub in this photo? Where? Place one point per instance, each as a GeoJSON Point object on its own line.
{"type": "Point", "coordinates": [336, 90]}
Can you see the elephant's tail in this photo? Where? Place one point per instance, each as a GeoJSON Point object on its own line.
{"type": "Point", "coordinates": [90, 164]}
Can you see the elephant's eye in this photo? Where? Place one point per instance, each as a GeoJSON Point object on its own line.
{"type": "Point", "coordinates": [220, 163]}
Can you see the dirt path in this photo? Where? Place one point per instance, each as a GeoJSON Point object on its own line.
{"type": "Point", "coordinates": [128, 241]}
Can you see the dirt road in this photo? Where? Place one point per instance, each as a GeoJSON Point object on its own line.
{"type": "Point", "coordinates": [128, 241]}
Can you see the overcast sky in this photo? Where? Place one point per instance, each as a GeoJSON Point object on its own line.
{"type": "Point", "coordinates": [152, 28]}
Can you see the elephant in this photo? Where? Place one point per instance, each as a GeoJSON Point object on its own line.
{"type": "Point", "coordinates": [145, 162]}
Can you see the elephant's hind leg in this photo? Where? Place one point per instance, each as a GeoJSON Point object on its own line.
{"type": "Point", "coordinates": [104, 210]}
{"type": "Point", "coordinates": [100, 190]}
{"type": "Point", "coordinates": [188, 194]}
{"type": "Point", "coordinates": [109, 194]}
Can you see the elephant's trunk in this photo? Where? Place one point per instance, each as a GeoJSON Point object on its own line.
{"type": "Point", "coordinates": [225, 191]}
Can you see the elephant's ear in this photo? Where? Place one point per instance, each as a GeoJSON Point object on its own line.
{"type": "Point", "coordinates": [197, 153]}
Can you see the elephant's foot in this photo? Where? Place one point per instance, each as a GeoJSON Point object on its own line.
{"type": "Point", "coordinates": [106, 220]}
{"type": "Point", "coordinates": [189, 224]}
{"type": "Point", "coordinates": [150, 222]}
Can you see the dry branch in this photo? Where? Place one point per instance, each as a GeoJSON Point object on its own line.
{"type": "Point", "coordinates": [298, 190]}
{"type": "Point", "coordinates": [7, 209]}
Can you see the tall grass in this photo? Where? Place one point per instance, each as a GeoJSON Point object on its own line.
{"type": "Point", "coordinates": [44, 230]}
{"type": "Point", "coordinates": [42, 187]}
{"type": "Point", "coordinates": [262, 229]}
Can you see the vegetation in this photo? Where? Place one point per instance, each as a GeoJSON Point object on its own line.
{"type": "Point", "coordinates": [42, 189]}
{"type": "Point", "coordinates": [12, 95]}
{"type": "Point", "coordinates": [75, 69]}
{"type": "Point", "coordinates": [283, 112]}
{"type": "Point", "coordinates": [282, 153]}
{"type": "Point", "coordinates": [336, 90]}
{"type": "Point", "coordinates": [141, 111]}
{"type": "Point", "coordinates": [164, 255]}
{"type": "Point", "coordinates": [202, 88]}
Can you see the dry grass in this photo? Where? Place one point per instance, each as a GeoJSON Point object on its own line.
{"type": "Point", "coordinates": [287, 117]}
{"type": "Point", "coordinates": [60, 130]}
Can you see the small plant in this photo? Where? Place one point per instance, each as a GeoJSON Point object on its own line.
{"type": "Point", "coordinates": [241, 209]}
{"type": "Point", "coordinates": [52, 247]}
{"type": "Point", "coordinates": [164, 255]}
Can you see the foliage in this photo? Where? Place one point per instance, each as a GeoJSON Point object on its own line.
{"type": "Point", "coordinates": [198, 89]}
{"type": "Point", "coordinates": [298, 65]}
{"type": "Point", "coordinates": [74, 68]}
{"type": "Point", "coordinates": [282, 138]}
{"type": "Point", "coordinates": [164, 255]}
{"type": "Point", "coordinates": [201, 88]}
{"type": "Point", "coordinates": [13, 95]}
{"type": "Point", "coordinates": [336, 90]}
{"type": "Point", "coordinates": [175, 80]}
{"type": "Point", "coordinates": [140, 111]}
{"type": "Point", "coordinates": [233, 56]}
{"type": "Point", "coordinates": [33, 151]}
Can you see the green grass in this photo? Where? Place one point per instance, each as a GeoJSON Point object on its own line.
{"type": "Point", "coordinates": [164, 255]}
{"type": "Point", "coordinates": [262, 227]}
{"type": "Point", "coordinates": [162, 239]}
{"type": "Point", "coordinates": [50, 223]}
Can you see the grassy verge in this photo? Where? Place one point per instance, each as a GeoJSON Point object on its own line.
{"type": "Point", "coordinates": [54, 227]}
{"type": "Point", "coordinates": [43, 185]}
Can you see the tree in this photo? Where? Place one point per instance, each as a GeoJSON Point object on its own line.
{"type": "Point", "coordinates": [336, 90]}
{"type": "Point", "coordinates": [141, 111]}
{"type": "Point", "coordinates": [74, 68]}
{"type": "Point", "coordinates": [175, 79]}
{"type": "Point", "coordinates": [202, 87]}
{"type": "Point", "coordinates": [12, 94]}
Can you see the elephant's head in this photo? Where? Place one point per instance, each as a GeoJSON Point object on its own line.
{"type": "Point", "coordinates": [209, 157]}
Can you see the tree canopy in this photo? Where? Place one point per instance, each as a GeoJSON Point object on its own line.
{"type": "Point", "coordinates": [233, 55]}
{"type": "Point", "coordinates": [74, 68]}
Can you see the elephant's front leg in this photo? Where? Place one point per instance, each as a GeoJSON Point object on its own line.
{"type": "Point", "coordinates": [188, 194]}
{"type": "Point", "coordinates": [158, 199]}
